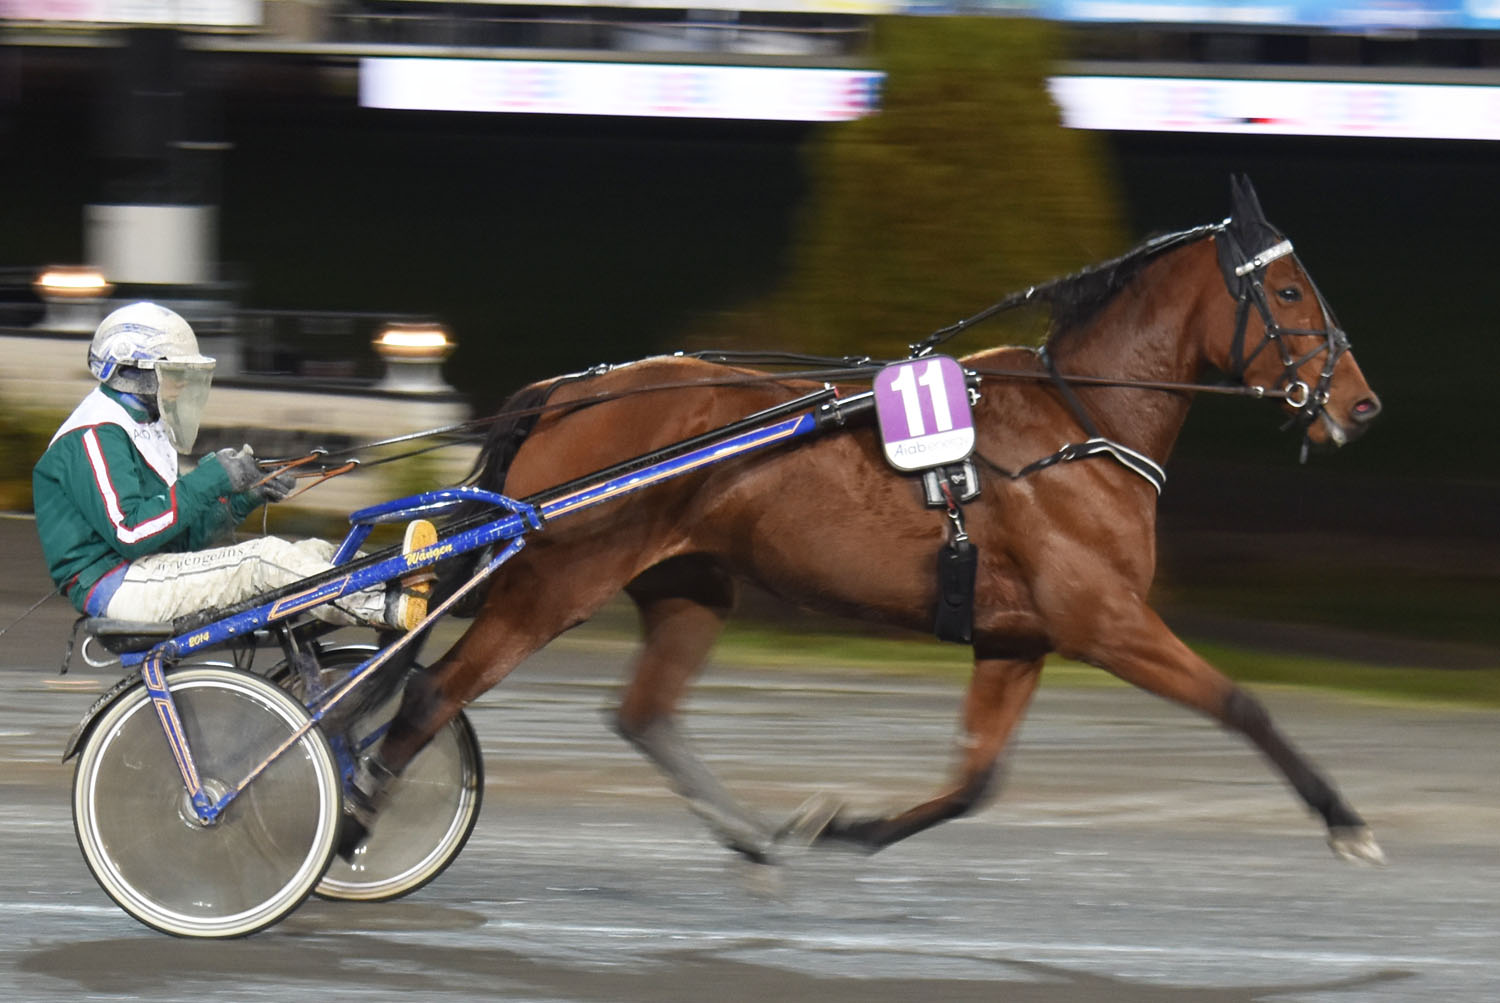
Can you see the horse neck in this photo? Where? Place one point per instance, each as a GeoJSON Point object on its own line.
{"type": "Point", "coordinates": [1152, 330]}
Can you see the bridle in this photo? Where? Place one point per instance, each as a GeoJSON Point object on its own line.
{"type": "Point", "coordinates": [1246, 282]}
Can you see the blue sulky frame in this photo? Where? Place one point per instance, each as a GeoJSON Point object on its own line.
{"type": "Point", "coordinates": [508, 529]}
{"type": "Point", "coordinates": [818, 410]}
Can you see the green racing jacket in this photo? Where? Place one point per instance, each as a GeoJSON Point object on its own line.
{"type": "Point", "coordinates": [101, 503]}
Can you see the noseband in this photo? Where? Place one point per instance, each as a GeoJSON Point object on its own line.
{"type": "Point", "coordinates": [1246, 282]}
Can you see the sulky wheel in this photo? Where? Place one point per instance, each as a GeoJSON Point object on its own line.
{"type": "Point", "coordinates": [426, 818]}
{"type": "Point", "coordinates": [427, 813]}
{"type": "Point", "coordinates": [145, 846]}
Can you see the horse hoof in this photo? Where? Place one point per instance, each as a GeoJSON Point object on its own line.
{"type": "Point", "coordinates": [353, 832]}
{"type": "Point", "coordinates": [757, 855]}
{"type": "Point", "coordinates": [1355, 843]}
{"type": "Point", "coordinates": [762, 880]}
{"type": "Point", "coordinates": [809, 821]}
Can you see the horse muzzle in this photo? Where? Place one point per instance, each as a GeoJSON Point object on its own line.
{"type": "Point", "coordinates": [1354, 425]}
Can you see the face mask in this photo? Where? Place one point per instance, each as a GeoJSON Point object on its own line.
{"type": "Point", "coordinates": [181, 393]}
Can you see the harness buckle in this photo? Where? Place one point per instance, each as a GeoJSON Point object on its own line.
{"type": "Point", "coordinates": [960, 535]}
{"type": "Point", "coordinates": [962, 476]}
{"type": "Point", "coordinates": [1292, 388]}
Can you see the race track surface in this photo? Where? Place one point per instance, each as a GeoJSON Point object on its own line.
{"type": "Point", "coordinates": [1138, 853]}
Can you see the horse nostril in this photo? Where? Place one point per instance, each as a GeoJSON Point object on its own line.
{"type": "Point", "coordinates": [1366, 409]}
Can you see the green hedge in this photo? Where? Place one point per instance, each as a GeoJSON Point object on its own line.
{"type": "Point", "coordinates": [23, 438]}
{"type": "Point", "coordinates": [964, 187]}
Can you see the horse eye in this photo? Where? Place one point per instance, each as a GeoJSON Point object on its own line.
{"type": "Point", "coordinates": [1290, 294]}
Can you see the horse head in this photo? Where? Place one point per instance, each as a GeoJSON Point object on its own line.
{"type": "Point", "coordinates": [1279, 307]}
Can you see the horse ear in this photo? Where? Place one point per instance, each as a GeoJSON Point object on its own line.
{"type": "Point", "coordinates": [1245, 202]}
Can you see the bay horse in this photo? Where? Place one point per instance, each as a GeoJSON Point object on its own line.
{"type": "Point", "coordinates": [1066, 550]}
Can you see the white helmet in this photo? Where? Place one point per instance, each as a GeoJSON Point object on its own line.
{"type": "Point", "coordinates": [149, 350]}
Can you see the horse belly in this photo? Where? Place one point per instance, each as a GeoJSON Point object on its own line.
{"type": "Point", "coordinates": [833, 532]}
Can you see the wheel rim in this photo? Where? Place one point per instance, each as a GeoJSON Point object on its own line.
{"type": "Point", "coordinates": [428, 814]}
{"type": "Point", "coordinates": [429, 811]}
{"type": "Point", "coordinates": [269, 847]}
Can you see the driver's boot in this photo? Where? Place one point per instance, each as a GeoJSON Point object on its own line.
{"type": "Point", "coordinates": [406, 598]}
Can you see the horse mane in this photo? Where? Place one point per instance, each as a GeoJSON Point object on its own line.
{"type": "Point", "coordinates": [1077, 297]}
{"type": "Point", "coordinates": [517, 417]}
{"type": "Point", "coordinates": [1073, 299]}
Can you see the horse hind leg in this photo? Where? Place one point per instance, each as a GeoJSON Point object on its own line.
{"type": "Point", "coordinates": [683, 603]}
{"type": "Point", "coordinates": [999, 692]}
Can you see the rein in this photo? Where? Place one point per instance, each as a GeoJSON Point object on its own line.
{"type": "Point", "coordinates": [315, 462]}
{"type": "Point", "coordinates": [1247, 275]}
{"type": "Point", "coordinates": [1294, 397]}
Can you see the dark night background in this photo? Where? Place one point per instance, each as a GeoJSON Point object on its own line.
{"type": "Point", "coordinates": [551, 243]}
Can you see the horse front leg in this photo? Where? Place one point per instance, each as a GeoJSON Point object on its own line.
{"type": "Point", "coordinates": [1130, 640]}
{"type": "Point", "coordinates": [999, 692]}
{"type": "Point", "coordinates": [683, 605]}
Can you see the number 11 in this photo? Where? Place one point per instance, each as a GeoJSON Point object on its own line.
{"type": "Point", "coordinates": [906, 384]}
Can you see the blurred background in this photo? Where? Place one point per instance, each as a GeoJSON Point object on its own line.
{"type": "Point", "coordinates": [552, 185]}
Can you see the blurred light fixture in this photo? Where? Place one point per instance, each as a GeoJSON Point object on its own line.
{"type": "Point", "coordinates": [413, 354]}
{"type": "Point", "coordinates": [76, 297]}
{"type": "Point", "coordinates": [414, 341]}
{"type": "Point", "coordinates": [72, 282]}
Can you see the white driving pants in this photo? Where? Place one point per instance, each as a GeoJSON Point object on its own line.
{"type": "Point", "coordinates": [161, 587]}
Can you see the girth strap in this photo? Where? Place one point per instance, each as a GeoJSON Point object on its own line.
{"type": "Point", "coordinates": [957, 563]}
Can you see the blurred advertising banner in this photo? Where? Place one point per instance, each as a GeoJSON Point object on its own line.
{"type": "Point", "coordinates": [1347, 15]}
{"type": "Point", "coordinates": [774, 93]}
{"type": "Point", "coordinates": [782, 6]}
{"type": "Point", "coordinates": [211, 13]}
{"type": "Point", "coordinates": [1415, 15]}
{"type": "Point", "coordinates": [1283, 107]}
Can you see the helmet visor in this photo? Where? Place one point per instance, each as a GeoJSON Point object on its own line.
{"type": "Point", "coordinates": [181, 394]}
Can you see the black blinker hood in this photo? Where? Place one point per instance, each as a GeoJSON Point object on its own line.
{"type": "Point", "coordinates": [1246, 233]}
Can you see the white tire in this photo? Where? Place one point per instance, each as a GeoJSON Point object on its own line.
{"type": "Point", "coordinates": [264, 854]}
{"type": "Point", "coordinates": [427, 814]}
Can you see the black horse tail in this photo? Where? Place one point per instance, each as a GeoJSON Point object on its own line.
{"type": "Point", "coordinates": [517, 417]}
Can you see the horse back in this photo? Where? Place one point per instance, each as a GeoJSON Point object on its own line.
{"type": "Point", "coordinates": [629, 410]}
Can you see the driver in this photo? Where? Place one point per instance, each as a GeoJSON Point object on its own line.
{"type": "Point", "coordinates": [127, 536]}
